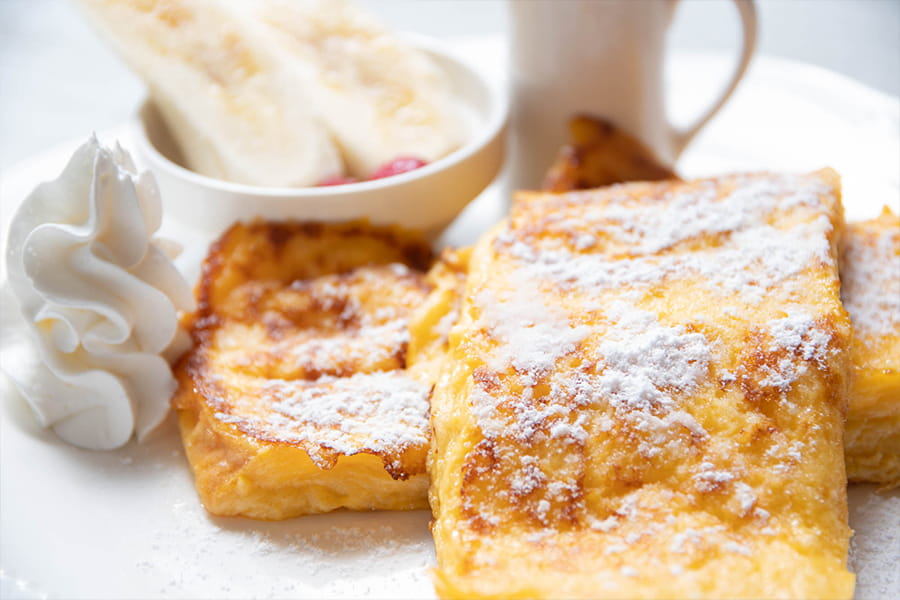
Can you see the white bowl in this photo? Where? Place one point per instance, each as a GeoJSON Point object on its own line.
{"type": "Point", "coordinates": [427, 199]}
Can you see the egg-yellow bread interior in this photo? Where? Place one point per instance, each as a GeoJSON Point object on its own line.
{"type": "Point", "coordinates": [870, 288]}
{"type": "Point", "coordinates": [296, 398]}
{"type": "Point", "coordinates": [644, 397]}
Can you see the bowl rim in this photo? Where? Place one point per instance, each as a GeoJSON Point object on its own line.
{"type": "Point", "coordinates": [493, 125]}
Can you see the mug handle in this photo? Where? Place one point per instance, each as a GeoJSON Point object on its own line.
{"type": "Point", "coordinates": [747, 11]}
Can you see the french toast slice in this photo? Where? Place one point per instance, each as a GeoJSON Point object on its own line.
{"type": "Point", "coordinates": [296, 398]}
{"type": "Point", "coordinates": [644, 397]}
{"type": "Point", "coordinates": [600, 154]}
{"type": "Point", "coordinates": [870, 289]}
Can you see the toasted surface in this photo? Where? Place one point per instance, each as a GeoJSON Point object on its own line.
{"type": "Point", "coordinates": [645, 396]}
{"type": "Point", "coordinates": [296, 398]}
{"type": "Point", "coordinates": [601, 154]}
{"type": "Point", "coordinates": [870, 289]}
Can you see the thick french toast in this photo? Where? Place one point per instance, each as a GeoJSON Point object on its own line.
{"type": "Point", "coordinates": [870, 289]}
{"type": "Point", "coordinates": [644, 397]}
{"type": "Point", "coordinates": [296, 398]}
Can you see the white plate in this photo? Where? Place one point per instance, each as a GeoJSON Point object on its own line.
{"type": "Point", "coordinates": [127, 524]}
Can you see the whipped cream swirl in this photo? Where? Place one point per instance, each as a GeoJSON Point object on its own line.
{"type": "Point", "coordinates": [100, 296]}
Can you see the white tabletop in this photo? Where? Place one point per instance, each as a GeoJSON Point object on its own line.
{"type": "Point", "coordinates": [58, 81]}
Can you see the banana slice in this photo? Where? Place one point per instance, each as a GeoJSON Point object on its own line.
{"type": "Point", "coordinates": [234, 107]}
{"type": "Point", "coordinates": [380, 97]}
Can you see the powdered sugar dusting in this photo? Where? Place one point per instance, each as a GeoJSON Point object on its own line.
{"type": "Point", "coordinates": [644, 367]}
{"type": "Point", "coordinates": [531, 333]}
{"type": "Point", "coordinates": [638, 368]}
{"type": "Point", "coordinates": [746, 498]}
{"type": "Point", "coordinates": [381, 343]}
{"type": "Point", "coordinates": [751, 257]}
{"type": "Point", "coordinates": [870, 280]}
{"type": "Point", "coordinates": [802, 341]}
{"type": "Point", "coordinates": [522, 415]}
{"type": "Point", "coordinates": [750, 264]}
{"type": "Point", "coordinates": [683, 215]}
{"type": "Point", "coordinates": [708, 478]}
{"type": "Point", "coordinates": [798, 333]}
{"type": "Point", "coordinates": [380, 412]}
{"type": "Point", "coordinates": [645, 362]}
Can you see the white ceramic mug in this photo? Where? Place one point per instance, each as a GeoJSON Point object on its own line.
{"type": "Point", "coordinates": [600, 57]}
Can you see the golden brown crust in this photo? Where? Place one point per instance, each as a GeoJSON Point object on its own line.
{"type": "Point", "coordinates": [290, 251]}
{"type": "Point", "coordinates": [601, 154]}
